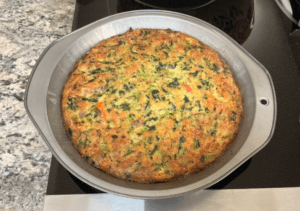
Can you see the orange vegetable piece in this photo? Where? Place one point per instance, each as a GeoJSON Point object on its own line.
{"type": "Point", "coordinates": [188, 88]}
{"type": "Point", "coordinates": [100, 106]}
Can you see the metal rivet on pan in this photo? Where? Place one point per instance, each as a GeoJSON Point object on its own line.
{"type": "Point", "coordinates": [264, 101]}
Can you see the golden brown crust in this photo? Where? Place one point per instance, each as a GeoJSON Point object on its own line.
{"type": "Point", "coordinates": [151, 106]}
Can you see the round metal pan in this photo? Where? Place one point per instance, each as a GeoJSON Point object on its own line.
{"type": "Point", "coordinates": [43, 96]}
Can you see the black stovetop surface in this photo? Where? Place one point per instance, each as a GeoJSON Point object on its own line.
{"type": "Point", "coordinates": [270, 42]}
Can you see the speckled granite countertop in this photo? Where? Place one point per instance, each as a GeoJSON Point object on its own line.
{"type": "Point", "coordinates": [26, 28]}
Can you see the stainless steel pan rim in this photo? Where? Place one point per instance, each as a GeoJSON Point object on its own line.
{"type": "Point", "coordinates": [42, 100]}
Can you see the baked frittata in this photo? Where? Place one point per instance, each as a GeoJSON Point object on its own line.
{"type": "Point", "coordinates": [151, 105]}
